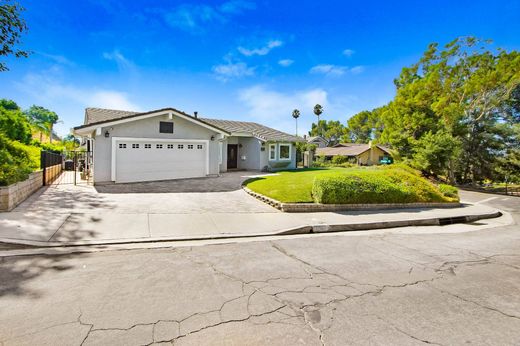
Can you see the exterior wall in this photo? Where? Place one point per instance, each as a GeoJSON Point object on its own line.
{"type": "Point", "coordinates": [12, 195]}
{"type": "Point", "coordinates": [277, 164]}
{"type": "Point", "coordinates": [371, 157]}
{"type": "Point", "coordinates": [249, 153]}
{"type": "Point", "coordinates": [149, 128]}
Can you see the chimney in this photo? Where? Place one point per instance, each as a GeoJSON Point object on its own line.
{"type": "Point", "coordinates": [370, 144]}
{"type": "Point", "coordinates": [195, 114]}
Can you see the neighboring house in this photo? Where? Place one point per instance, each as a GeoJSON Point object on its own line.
{"type": "Point", "coordinates": [319, 141]}
{"type": "Point", "coordinates": [362, 154]}
{"type": "Point", "coordinates": [169, 144]}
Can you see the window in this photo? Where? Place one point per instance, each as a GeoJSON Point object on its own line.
{"type": "Point", "coordinates": [148, 146]}
{"type": "Point", "coordinates": [158, 146]}
{"type": "Point", "coordinates": [180, 146]}
{"type": "Point", "coordinates": [284, 152]}
{"type": "Point", "coordinates": [135, 146]}
{"type": "Point", "coordinates": [199, 146]}
{"type": "Point", "coordinates": [122, 145]}
{"type": "Point", "coordinates": [170, 146]}
{"type": "Point", "coordinates": [190, 146]}
{"type": "Point", "coordinates": [165, 127]}
{"type": "Point", "coordinates": [272, 151]}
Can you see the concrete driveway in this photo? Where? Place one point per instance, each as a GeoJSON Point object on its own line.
{"type": "Point", "coordinates": [187, 196]}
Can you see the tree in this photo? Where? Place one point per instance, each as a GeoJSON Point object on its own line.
{"type": "Point", "coordinates": [42, 119]}
{"type": "Point", "coordinates": [318, 110]}
{"type": "Point", "coordinates": [333, 131]}
{"type": "Point", "coordinates": [12, 28]}
{"type": "Point", "coordinates": [296, 115]}
{"type": "Point", "coordinates": [365, 126]}
{"type": "Point", "coordinates": [13, 123]}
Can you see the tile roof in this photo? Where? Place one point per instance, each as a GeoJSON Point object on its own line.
{"type": "Point", "coordinates": [97, 115]}
{"type": "Point", "coordinates": [101, 115]}
{"type": "Point", "coordinates": [347, 149]}
{"type": "Point", "coordinates": [255, 129]}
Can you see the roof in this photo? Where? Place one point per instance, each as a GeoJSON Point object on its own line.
{"type": "Point", "coordinates": [316, 138]}
{"type": "Point", "coordinates": [257, 130]}
{"type": "Point", "coordinates": [347, 149]}
{"type": "Point", "coordinates": [95, 116]}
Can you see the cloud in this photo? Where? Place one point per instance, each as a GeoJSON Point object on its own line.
{"type": "Point", "coordinates": [225, 72]}
{"type": "Point", "coordinates": [329, 70]}
{"type": "Point", "coordinates": [357, 69]}
{"type": "Point", "coordinates": [285, 62]}
{"type": "Point", "coordinates": [194, 18]}
{"type": "Point", "coordinates": [122, 62]}
{"type": "Point", "coordinates": [274, 108]}
{"type": "Point", "coordinates": [348, 52]}
{"type": "Point", "coordinates": [59, 59]}
{"type": "Point", "coordinates": [262, 50]}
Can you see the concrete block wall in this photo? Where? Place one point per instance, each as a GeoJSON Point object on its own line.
{"type": "Point", "coordinates": [12, 195]}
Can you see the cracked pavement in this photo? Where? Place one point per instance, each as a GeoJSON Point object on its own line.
{"type": "Point", "coordinates": [384, 288]}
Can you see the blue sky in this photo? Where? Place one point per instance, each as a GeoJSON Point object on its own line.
{"type": "Point", "coordinates": [235, 59]}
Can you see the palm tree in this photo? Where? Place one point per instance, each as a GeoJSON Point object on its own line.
{"type": "Point", "coordinates": [318, 110]}
{"type": "Point", "coordinates": [296, 115]}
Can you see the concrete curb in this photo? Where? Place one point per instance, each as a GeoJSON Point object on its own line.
{"type": "Point", "coordinates": [303, 229]}
{"type": "Point", "coordinates": [315, 207]}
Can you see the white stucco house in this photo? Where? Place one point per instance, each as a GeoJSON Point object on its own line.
{"type": "Point", "coordinates": [167, 144]}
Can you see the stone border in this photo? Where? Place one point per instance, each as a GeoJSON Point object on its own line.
{"type": "Point", "coordinates": [14, 194]}
{"type": "Point", "coordinates": [316, 207]}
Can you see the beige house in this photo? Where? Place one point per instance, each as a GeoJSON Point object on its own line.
{"type": "Point", "coordinates": [362, 154]}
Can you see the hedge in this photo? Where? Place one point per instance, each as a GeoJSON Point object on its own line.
{"type": "Point", "coordinates": [385, 185]}
{"type": "Point", "coordinates": [449, 191]}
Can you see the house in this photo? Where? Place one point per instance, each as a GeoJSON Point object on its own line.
{"type": "Point", "coordinates": [167, 144]}
{"type": "Point", "coordinates": [362, 154]}
{"type": "Point", "coordinates": [319, 141]}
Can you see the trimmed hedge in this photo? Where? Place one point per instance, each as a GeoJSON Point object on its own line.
{"type": "Point", "coordinates": [17, 160]}
{"type": "Point", "coordinates": [385, 185]}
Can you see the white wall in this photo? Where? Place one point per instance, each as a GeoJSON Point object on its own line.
{"type": "Point", "coordinates": [149, 128]}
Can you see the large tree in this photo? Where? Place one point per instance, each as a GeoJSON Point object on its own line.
{"type": "Point", "coordinates": [12, 27]}
{"type": "Point", "coordinates": [13, 123]}
{"type": "Point", "coordinates": [42, 119]}
{"type": "Point", "coordinates": [365, 126]}
{"type": "Point", "coordinates": [333, 131]}
{"type": "Point", "coordinates": [464, 91]}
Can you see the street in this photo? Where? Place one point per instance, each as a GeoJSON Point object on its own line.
{"type": "Point", "coordinates": [354, 288]}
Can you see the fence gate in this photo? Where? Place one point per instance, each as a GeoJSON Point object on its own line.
{"type": "Point", "coordinates": [70, 167]}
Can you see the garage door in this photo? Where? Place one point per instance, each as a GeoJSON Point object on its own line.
{"type": "Point", "coordinates": [141, 160]}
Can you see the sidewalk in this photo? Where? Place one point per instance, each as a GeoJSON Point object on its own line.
{"type": "Point", "coordinates": [82, 228]}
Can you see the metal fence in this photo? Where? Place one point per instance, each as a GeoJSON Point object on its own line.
{"type": "Point", "coordinates": [51, 165]}
{"type": "Point", "coordinates": [70, 167]}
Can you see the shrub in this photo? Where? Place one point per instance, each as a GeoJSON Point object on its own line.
{"type": "Point", "coordinates": [449, 191]}
{"type": "Point", "coordinates": [375, 186]}
{"type": "Point", "coordinates": [338, 160]}
{"type": "Point", "coordinates": [16, 161]}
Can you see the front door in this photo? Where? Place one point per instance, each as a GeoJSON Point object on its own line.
{"type": "Point", "coordinates": [232, 155]}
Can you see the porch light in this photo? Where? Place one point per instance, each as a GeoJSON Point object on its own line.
{"type": "Point", "coordinates": [107, 134]}
{"type": "Point", "coordinates": [212, 138]}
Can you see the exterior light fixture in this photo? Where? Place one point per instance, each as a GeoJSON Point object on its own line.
{"type": "Point", "coordinates": [212, 138]}
{"type": "Point", "coordinates": [107, 134]}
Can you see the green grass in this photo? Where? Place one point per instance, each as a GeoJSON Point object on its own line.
{"type": "Point", "coordinates": [294, 186]}
{"type": "Point", "coordinates": [385, 184]}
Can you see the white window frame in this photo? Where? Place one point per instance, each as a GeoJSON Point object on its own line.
{"type": "Point", "coordinates": [272, 146]}
{"type": "Point", "coordinates": [290, 152]}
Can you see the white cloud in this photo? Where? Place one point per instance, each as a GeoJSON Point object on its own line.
{"type": "Point", "coordinates": [195, 18]}
{"type": "Point", "coordinates": [59, 59]}
{"type": "Point", "coordinates": [348, 52]}
{"type": "Point", "coordinates": [285, 62]}
{"type": "Point", "coordinates": [357, 69]}
{"type": "Point", "coordinates": [274, 108]}
{"type": "Point", "coordinates": [329, 70]}
{"type": "Point", "coordinates": [262, 50]}
{"type": "Point", "coordinates": [225, 72]}
{"type": "Point", "coordinates": [122, 62]}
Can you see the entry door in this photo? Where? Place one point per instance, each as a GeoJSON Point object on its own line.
{"type": "Point", "coordinates": [232, 155]}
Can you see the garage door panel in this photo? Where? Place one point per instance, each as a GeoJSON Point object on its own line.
{"type": "Point", "coordinates": [148, 164]}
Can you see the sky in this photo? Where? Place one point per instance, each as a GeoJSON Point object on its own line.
{"type": "Point", "coordinates": [235, 59]}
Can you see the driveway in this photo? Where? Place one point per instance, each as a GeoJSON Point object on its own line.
{"type": "Point", "coordinates": [221, 194]}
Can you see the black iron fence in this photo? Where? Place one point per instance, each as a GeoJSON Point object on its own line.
{"type": "Point", "coordinates": [51, 165]}
{"type": "Point", "coordinates": [70, 167]}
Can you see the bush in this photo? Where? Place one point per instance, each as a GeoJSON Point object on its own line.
{"type": "Point", "coordinates": [375, 186]}
{"type": "Point", "coordinates": [16, 161]}
{"type": "Point", "coordinates": [338, 160]}
{"type": "Point", "coordinates": [449, 191]}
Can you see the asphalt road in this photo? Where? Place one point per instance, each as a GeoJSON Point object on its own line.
{"type": "Point", "coordinates": [394, 288]}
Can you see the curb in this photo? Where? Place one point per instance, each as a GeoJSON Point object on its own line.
{"type": "Point", "coordinates": [304, 229]}
{"type": "Point", "coordinates": [316, 207]}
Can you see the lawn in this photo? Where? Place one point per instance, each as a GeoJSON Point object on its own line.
{"type": "Point", "coordinates": [293, 186]}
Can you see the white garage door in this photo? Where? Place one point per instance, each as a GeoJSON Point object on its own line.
{"type": "Point", "coordinates": [141, 160]}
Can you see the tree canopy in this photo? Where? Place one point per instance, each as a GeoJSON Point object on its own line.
{"type": "Point", "coordinates": [42, 119]}
{"type": "Point", "coordinates": [12, 27]}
